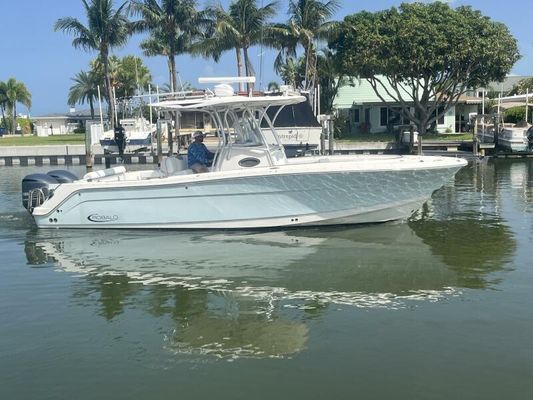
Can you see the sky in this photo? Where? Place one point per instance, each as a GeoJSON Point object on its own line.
{"type": "Point", "coordinates": [31, 52]}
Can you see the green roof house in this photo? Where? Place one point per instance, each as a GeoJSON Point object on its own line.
{"type": "Point", "coordinates": [367, 113]}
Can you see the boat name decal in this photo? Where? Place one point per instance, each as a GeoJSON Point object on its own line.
{"type": "Point", "coordinates": [102, 218]}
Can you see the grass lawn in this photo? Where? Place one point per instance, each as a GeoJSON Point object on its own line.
{"type": "Point", "coordinates": [30, 140]}
{"type": "Point", "coordinates": [449, 136]}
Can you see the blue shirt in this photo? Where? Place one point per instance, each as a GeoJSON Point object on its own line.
{"type": "Point", "coordinates": [198, 153]}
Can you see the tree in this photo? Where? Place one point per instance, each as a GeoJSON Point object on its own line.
{"type": "Point", "coordinates": [309, 22]}
{"type": "Point", "coordinates": [242, 26]}
{"type": "Point", "coordinates": [84, 89]}
{"type": "Point", "coordinates": [330, 79]}
{"type": "Point", "coordinates": [106, 29]}
{"type": "Point", "coordinates": [13, 92]}
{"type": "Point", "coordinates": [424, 56]}
{"type": "Point", "coordinates": [522, 87]}
{"type": "Point", "coordinates": [3, 102]}
{"type": "Point", "coordinates": [173, 25]}
{"type": "Point", "coordinates": [292, 72]}
{"type": "Point", "coordinates": [133, 76]}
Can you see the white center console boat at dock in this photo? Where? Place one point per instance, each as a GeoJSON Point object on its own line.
{"type": "Point", "coordinates": [251, 183]}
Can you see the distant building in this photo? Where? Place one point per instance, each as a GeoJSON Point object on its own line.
{"type": "Point", "coordinates": [63, 123]}
{"type": "Point", "coordinates": [66, 123]}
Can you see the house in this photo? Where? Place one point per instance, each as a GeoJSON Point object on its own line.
{"type": "Point", "coordinates": [63, 123]}
{"type": "Point", "coordinates": [365, 112]}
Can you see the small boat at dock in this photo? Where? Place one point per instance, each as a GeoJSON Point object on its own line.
{"type": "Point", "coordinates": [138, 134]}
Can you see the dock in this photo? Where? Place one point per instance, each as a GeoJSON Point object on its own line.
{"type": "Point", "coordinates": [67, 155]}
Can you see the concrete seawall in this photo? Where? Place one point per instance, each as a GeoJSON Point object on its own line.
{"type": "Point", "coordinates": [75, 154]}
{"type": "Point", "coordinates": [63, 155]}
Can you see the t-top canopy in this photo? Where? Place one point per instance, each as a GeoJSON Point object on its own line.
{"type": "Point", "coordinates": [216, 103]}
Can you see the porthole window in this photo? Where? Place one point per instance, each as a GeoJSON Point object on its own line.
{"type": "Point", "coordinates": [249, 162]}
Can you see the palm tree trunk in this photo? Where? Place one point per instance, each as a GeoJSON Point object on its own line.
{"type": "Point", "coordinates": [239, 67]}
{"type": "Point", "coordinates": [110, 97]}
{"type": "Point", "coordinates": [92, 107]}
{"type": "Point", "coordinates": [3, 115]}
{"type": "Point", "coordinates": [173, 87]}
{"type": "Point", "coordinates": [249, 68]}
{"type": "Point", "coordinates": [14, 119]}
{"type": "Point", "coordinates": [310, 70]}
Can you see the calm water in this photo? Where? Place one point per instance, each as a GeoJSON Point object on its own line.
{"type": "Point", "coordinates": [440, 307]}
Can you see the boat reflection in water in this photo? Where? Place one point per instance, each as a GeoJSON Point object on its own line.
{"type": "Point", "coordinates": [250, 294]}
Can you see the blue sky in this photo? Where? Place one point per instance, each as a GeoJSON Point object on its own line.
{"type": "Point", "coordinates": [45, 60]}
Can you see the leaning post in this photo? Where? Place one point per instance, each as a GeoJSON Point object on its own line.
{"type": "Point", "coordinates": [88, 151]}
{"type": "Point", "coordinates": [475, 143]}
{"type": "Point", "coordinates": [411, 139]}
{"type": "Point", "coordinates": [419, 138]}
{"type": "Point", "coordinates": [331, 142]}
{"type": "Point", "coordinates": [159, 144]}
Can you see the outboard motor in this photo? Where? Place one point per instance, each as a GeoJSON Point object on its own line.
{"type": "Point", "coordinates": [36, 190]}
{"type": "Point", "coordinates": [62, 176]}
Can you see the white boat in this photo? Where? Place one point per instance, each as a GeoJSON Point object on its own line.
{"type": "Point", "coordinates": [138, 131]}
{"type": "Point", "coordinates": [514, 138]}
{"type": "Point", "coordinates": [297, 127]}
{"type": "Point", "coordinates": [251, 184]}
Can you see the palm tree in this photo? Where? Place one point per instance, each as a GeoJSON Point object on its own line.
{"type": "Point", "coordinates": [173, 25]}
{"type": "Point", "coordinates": [84, 89]}
{"type": "Point", "coordinates": [15, 92]}
{"type": "Point", "coordinates": [133, 76]}
{"type": "Point", "coordinates": [242, 26]}
{"type": "Point", "coordinates": [292, 71]}
{"type": "Point", "coordinates": [308, 23]}
{"type": "Point", "coordinates": [106, 29]}
{"type": "Point", "coordinates": [3, 102]}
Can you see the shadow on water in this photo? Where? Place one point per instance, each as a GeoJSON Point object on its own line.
{"type": "Point", "coordinates": [249, 294]}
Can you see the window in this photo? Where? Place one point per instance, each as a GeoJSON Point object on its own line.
{"type": "Point", "coordinates": [440, 120]}
{"type": "Point", "coordinates": [356, 115]}
{"type": "Point", "coordinates": [383, 116]}
{"type": "Point", "coordinates": [395, 117]}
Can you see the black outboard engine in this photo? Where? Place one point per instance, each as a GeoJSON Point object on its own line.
{"type": "Point", "coordinates": [62, 176]}
{"type": "Point", "coordinates": [36, 189]}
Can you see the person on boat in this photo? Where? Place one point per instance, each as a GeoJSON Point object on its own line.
{"type": "Point", "coordinates": [198, 157]}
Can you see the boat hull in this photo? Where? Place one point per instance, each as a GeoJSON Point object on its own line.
{"type": "Point", "coordinates": [514, 139]}
{"type": "Point", "coordinates": [260, 201]}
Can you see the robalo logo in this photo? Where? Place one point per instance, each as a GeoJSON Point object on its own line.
{"type": "Point", "coordinates": [102, 218]}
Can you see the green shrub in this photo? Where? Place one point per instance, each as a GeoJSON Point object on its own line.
{"type": "Point", "coordinates": [340, 126]}
{"type": "Point", "coordinates": [515, 115]}
{"type": "Point", "coordinates": [25, 125]}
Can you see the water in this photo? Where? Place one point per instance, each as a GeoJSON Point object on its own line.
{"type": "Point", "coordinates": [436, 308]}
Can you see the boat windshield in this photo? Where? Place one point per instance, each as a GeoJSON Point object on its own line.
{"type": "Point", "coordinates": [243, 128]}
